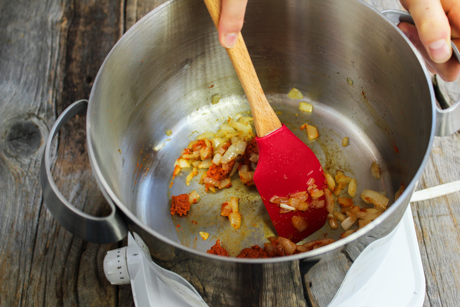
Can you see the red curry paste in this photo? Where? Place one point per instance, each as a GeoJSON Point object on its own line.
{"type": "Point", "coordinates": [180, 205]}
{"type": "Point", "coordinates": [218, 250]}
{"type": "Point", "coordinates": [254, 252]}
{"type": "Point", "coordinates": [218, 173]}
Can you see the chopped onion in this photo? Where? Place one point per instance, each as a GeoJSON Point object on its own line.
{"type": "Point", "coordinates": [305, 107]}
{"type": "Point", "coordinates": [225, 183]}
{"type": "Point", "coordinates": [234, 203]}
{"type": "Point", "coordinates": [337, 190]}
{"type": "Point", "coordinates": [348, 222]}
{"type": "Point", "coordinates": [329, 200]}
{"type": "Point", "coordinates": [239, 126]}
{"type": "Point", "coordinates": [230, 154]}
{"type": "Point", "coordinates": [295, 94]}
{"type": "Point", "coordinates": [244, 169]}
{"type": "Point", "coordinates": [234, 169]}
{"type": "Point", "coordinates": [375, 198]}
{"type": "Point", "coordinates": [206, 153]}
{"type": "Point", "coordinates": [193, 197]}
{"type": "Point", "coordinates": [340, 178]}
{"type": "Point", "coordinates": [375, 170]}
{"type": "Point", "coordinates": [333, 223]}
{"type": "Point", "coordinates": [227, 128]}
{"type": "Point", "coordinates": [254, 157]}
{"type": "Point", "coordinates": [299, 223]}
{"type": "Point", "coordinates": [226, 209]}
{"type": "Point", "coordinates": [225, 166]}
{"type": "Point", "coordinates": [246, 120]}
{"type": "Point", "coordinates": [360, 214]}
{"type": "Point", "coordinates": [216, 142]}
{"type": "Point", "coordinates": [371, 214]}
{"type": "Point", "coordinates": [206, 135]}
{"type": "Point", "coordinates": [303, 206]}
{"type": "Point", "coordinates": [241, 147]}
{"type": "Point", "coordinates": [190, 156]}
{"type": "Point", "coordinates": [217, 158]}
{"type": "Point", "coordinates": [288, 246]}
{"type": "Point", "coordinates": [316, 193]}
{"type": "Point", "coordinates": [211, 181]}
{"type": "Point", "coordinates": [221, 151]}
{"type": "Point", "coordinates": [215, 99]}
{"type": "Point", "coordinates": [294, 202]}
{"type": "Point", "coordinates": [183, 163]}
{"type": "Point", "coordinates": [235, 219]}
{"type": "Point", "coordinates": [235, 139]}
{"type": "Point", "coordinates": [204, 235]}
{"type": "Point", "coordinates": [277, 199]}
{"type": "Point", "coordinates": [176, 170]}
{"type": "Point", "coordinates": [269, 248]}
{"type": "Point", "coordinates": [205, 163]}
{"type": "Point", "coordinates": [316, 243]}
{"type": "Point", "coordinates": [302, 196]}
{"type": "Point", "coordinates": [312, 132]}
{"type": "Point", "coordinates": [298, 194]}
{"type": "Point", "coordinates": [190, 176]}
{"type": "Point", "coordinates": [317, 204]}
{"type": "Point", "coordinates": [345, 201]}
{"type": "Point", "coordinates": [301, 248]}
{"type": "Point", "coordinates": [245, 175]}
{"type": "Point", "coordinates": [352, 187]}
{"type": "Point", "coordinates": [339, 215]}
{"type": "Point", "coordinates": [330, 181]}
{"type": "Point", "coordinates": [287, 207]}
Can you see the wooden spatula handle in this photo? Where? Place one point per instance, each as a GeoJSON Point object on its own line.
{"type": "Point", "coordinates": [265, 119]}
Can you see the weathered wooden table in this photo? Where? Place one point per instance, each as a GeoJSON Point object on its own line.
{"type": "Point", "coordinates": [50, 52]}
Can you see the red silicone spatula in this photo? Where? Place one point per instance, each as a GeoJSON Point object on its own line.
{"type": "Point", "coordinates": [285, 163]}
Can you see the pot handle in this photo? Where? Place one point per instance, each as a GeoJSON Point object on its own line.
{"type": "Point", "coordinates": [106, 229]}
{"type": "Point", "coordinates": [447, 120]}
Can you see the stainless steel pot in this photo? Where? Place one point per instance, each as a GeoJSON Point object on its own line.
{"type": "Point", "coordinates": [354, 65]}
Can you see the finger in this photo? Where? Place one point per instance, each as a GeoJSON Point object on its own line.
{"type": "Point", "coordinates": [433, 27]}
{"type": "Point", "coordinates": [231, 21]}
{"type": "Point", "coordinates": [448, 71]}
{"type": "Point", "coordinates": [452, 9]}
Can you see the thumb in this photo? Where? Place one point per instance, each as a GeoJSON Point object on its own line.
{"type": "Point", "coordinates": [231, 21]}
{"type": "Point", "coordinates": [433, 28]}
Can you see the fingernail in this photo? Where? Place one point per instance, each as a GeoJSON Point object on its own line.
{"type": "Point", "coordinates": [230, 40]}
{"type": "Point", "coordinates": [439, 51]}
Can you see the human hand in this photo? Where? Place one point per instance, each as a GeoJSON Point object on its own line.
{"type": "Point", "coordinates": [231, 21]}
{"type": "Point", "coordinates": [437, 23]}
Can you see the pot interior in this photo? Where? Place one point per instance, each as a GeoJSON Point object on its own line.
{"type": "Point", "coordinates": [360, 74]}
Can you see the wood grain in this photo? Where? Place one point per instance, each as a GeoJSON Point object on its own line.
{"type": "Point", "coordinates": [265, 119]}
{"type": "Point", "coordinates": [50, 52]}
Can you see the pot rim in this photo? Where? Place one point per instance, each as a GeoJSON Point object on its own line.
{"type": "Point", "coordinates": [311, 255]}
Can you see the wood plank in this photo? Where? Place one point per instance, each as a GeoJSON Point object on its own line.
{"type": "Point", "coordinates": [50, 54]}
{"type": "Point", "coordinates": [437, 225]}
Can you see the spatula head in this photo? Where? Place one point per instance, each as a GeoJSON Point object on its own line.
{"type": "Point", "coordinates": [284, 167]}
